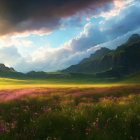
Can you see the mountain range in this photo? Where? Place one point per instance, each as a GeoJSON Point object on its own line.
{"type": "Point", "coordinates": [103, 63]}
{"type": "Point", "coordinates": [123, 60]}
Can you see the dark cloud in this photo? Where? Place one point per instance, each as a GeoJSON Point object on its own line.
{"type": "Point", "coordinates": [22, 15]}
{"type": "Point", "coordinates": [110, 33]}
{"type": "Point", "coordinates": [94, 33]}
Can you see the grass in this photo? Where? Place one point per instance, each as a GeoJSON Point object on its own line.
{"type": "Point", "coordinates": [69, 109]}
{"type": "Point", "coordinates": [70, 113]}
{"type": "Point", "coordinates": [65, 82]}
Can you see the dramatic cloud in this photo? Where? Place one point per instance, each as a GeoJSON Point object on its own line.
{"type": "Point", "coordinates": [126, 21]}
{"type": "Point", "coordinates": [58, 59]}
{"type": "Point", "coordinates": [118, 6]}
{"type": "Point", "coordinates": [111, 32]}
{"type": "Point", "coordinates": [91, 36]}
{"type": "Point", "coordinates": [42, 15]}
{"type": "Point", "coordinates": [109, 29]}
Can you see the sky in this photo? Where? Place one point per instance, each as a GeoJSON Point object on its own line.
{"type": "Point", "coordinates": [51, 35]}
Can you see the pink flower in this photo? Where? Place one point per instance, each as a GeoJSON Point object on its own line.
{"type": "Point", "coordinates": [35, 113]}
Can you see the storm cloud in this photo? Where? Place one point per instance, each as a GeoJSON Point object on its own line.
{"type": "Point", "coordinates": [110, 32]}
{"type": "Point", "coordinates": [106, 34]}
{"type": "Point", "coordinates": [44, 15]}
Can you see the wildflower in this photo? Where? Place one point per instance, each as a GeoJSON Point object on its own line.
{"type": "Point", "coordinates": [97, 126]}
{"type": "Point", "coordinates": [105, 127]}
{"type": "Point", "coordinates": [49, 138]}
{"type": "Point", "coordinates": [88, 129]}
{"type": "Point", "coordinates": [13, 125]}
{"type": "Point", "coordinates": [36, 113]}
{"type": "Point", "coordinates": [45, 109]}
{"type": "Point", "coordinates": [4, 128]}
{"type": "Point", "coordinates": [72, 129]}
{"type": "Point", "coordinates": [97, 119]}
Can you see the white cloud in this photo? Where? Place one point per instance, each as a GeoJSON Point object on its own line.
{"type": "Point", "coordinates": [60, 58]}
{"type": "Point", "coordinates": [12, 41]}
{"type": "Point", "coordinates": [111, 33]}
{"type": "Point", "coordinates": [9, 55]}
{"type": "Point", "coordinates": [118, 6]}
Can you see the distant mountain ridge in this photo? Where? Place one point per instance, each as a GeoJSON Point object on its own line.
{"type": "Point", "coordinates": [99, 53]}
{"type": "Point", "coordinates": [125, 59]}
{"type": "Point", "coordinates": [3, 68]}
{"type": "Point", "coordinates": [104, 63]}
{"type": "Point", "coordinates": [134, 38]}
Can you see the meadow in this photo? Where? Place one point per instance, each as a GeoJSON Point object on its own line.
{"type": "Point", "coordinates": [43, 111]}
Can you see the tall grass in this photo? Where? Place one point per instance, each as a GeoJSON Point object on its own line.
{"type": "Point", "coordinates": [63, 115]}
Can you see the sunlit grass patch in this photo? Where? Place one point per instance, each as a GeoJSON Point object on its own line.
{"type": "Point", "coordinates": [9, 83]}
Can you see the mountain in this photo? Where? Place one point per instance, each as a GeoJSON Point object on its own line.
{"type": "Point", "coordinates": [104, 63]}
{"type": "Point", "coordinates": [5, 69]}
{"type": "Point", "coordinates": [99, 53]}
{"type": "Point", "coordinates": [9, 72]}
{"type": "Point", "coordinates": [88, 64]}
{"type": "Point", "coordinates": [134, 38]}
{"type": "Point", "coordinates": [123, 60]}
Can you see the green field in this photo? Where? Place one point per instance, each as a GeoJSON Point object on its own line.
{"type": "Point", "coordinates": [6, 83]}
{"type": "Point", "coordinates": [71, 108]}
{"type": "Point", "coordinates": [69, 80]}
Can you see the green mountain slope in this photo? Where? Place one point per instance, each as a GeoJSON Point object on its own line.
{"type": "Point", "coordinates": [5, 69]}
{"type": "Point", "coordinates": [9, 72]}
{"type": "Point", "coordinates": [132, 78]}
{"type": "Point", "coordinates": [99, 53]}
{"type": "Point", "coordinates": [125, 59]}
